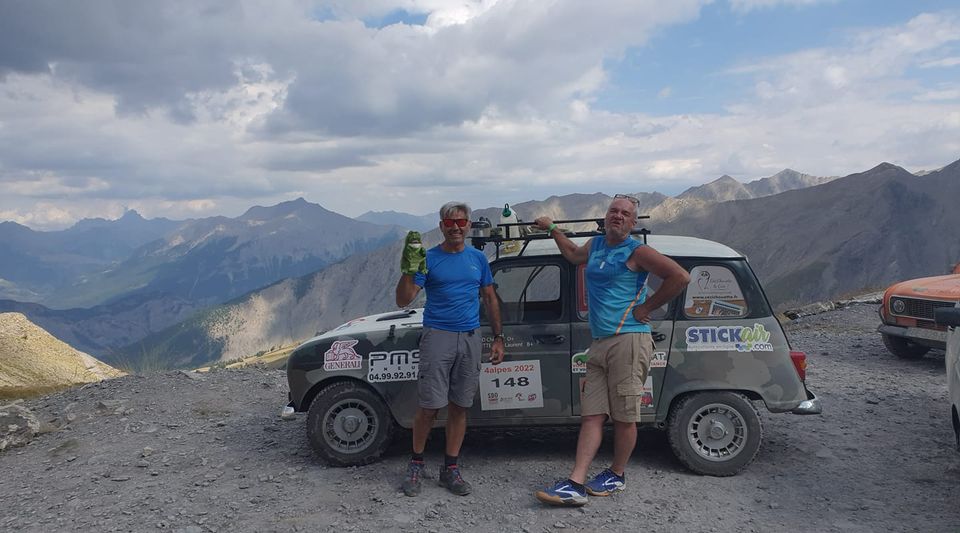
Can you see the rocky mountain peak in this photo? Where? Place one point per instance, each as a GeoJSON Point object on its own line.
{"type": "Point", "coordinates": [284, 209]}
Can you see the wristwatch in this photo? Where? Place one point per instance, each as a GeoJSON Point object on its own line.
{"type": "Point", "coordinates": [498, 336]}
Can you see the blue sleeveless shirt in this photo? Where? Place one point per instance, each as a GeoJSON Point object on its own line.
{"type": "Point", "coordinates": [613, 290]}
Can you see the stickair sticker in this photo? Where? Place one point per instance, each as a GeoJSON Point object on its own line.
{"type": "Point", "coordinates": [342, 356]}
{"type": "Point", "coordinates": [511, 385]}
{"type": "Point", "coordinates": [578, 363]}
{"type": "Point", "coordinates": [659, 360]}
{"type": "Point", "coordinates": [729, 338]}
{"type": "Point", "coordinates": [399, 365]}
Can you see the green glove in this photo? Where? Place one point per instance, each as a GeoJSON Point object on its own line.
{"type": "Point", "coordinates": [414, 256]}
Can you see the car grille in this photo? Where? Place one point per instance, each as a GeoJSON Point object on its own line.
{"type": "Point", "coordinates": [919, 309]}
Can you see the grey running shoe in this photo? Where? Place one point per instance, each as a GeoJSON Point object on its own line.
{"type": "Point", "coordinates": [411, 483]}
{"type": "Point", "coordinates": [450, 477]}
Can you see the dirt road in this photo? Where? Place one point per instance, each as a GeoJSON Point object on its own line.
{"type": "Point", "coordinates": [174, 452]}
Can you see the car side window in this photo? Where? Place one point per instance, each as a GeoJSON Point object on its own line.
{"type": "Point", "coordinates": [529, 294]}
{"type": "Point", "coordinates": [714, 292]}
{"type": "Point", "coordinates": [583, 307]}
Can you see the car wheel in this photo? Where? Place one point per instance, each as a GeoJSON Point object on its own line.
{"type": "Point", "coordinates": [715, 433]}
{"type": "Point", "coordinates": [903, 348]}
{"type": "Point", "coordinates": [348, 424]}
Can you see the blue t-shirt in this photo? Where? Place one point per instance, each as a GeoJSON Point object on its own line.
{"type": "Point", "coordinates": [453, 283]}
{"type": "Point", "coordinates": [613, 289]}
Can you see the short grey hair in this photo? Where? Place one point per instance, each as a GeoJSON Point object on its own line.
{"type": "Point", "coordinates": [450, 207]}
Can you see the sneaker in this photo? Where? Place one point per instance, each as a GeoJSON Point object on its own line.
{"type": "Point", "coordinates": [450, 477]}
{"type": "Point", "coordinates": [563, 493]}
{"type": "Point", "coordinates": [606, 483]}
{"type": "Point", "coordinates": [411, 483]}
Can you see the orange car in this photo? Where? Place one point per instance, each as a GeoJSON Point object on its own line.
{"type": "Point", "coordinates": [907, 314]}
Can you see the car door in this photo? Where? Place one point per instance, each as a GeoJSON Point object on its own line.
{"type": "Point", "coordinates": [533, 380]}
{"type": "Point", "coordinates": [661, 325]}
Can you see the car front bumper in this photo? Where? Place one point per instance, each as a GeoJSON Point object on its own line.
{"type": "Point", "coordinates": [925, 337]}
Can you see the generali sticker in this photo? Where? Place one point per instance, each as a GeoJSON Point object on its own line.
{"type": "Point", "coordinates": [342, 356]}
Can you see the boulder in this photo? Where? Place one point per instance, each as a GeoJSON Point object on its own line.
{"type": "Point", "coordinates": [18, 426]}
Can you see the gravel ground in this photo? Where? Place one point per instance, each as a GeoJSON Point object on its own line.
{"type": "Point", "coordinates": [198, 453]}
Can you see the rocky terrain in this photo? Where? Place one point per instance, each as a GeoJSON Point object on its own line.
{"type": "Point", "coordinates": [193, 453]}
{"type": "Point", "coordinates": [32, 360]}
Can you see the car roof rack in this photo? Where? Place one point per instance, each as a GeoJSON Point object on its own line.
{"type": "Point", "coordinates": [481, 233]}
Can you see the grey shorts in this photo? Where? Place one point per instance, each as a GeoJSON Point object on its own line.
{"type": "Point", "coordinates": [449, 368]}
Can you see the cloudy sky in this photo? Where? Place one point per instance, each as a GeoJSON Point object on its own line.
{"type": "Point", "coordinates": [195, 108]}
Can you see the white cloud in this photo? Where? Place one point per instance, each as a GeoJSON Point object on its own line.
{"type": "Point", "coordinates": [945, 62]}
{"type": "Point", "coordinates": [208, 111]}
{"type": "Point", "coordinates": [751, 5]}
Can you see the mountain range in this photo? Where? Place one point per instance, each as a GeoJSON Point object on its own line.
{"type": "Point", "coordinates": [295, 309]}
{"type": "Point", "coordinates": [39, 265]}
{"type": "Point", "coordinates": [196, 264]}
{"type": "Point", "coordinates": [807, 237]}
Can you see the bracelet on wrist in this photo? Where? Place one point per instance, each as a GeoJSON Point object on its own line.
{"type": "Point", "coordinates": [498, 336]}
{"type": "Point", "coordinates": [551, 228]}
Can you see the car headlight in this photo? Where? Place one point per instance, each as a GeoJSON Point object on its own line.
{"type": "Point", "coordinates": [898, 306]}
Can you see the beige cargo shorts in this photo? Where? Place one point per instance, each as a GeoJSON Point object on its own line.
{"type": "Point", "coordinates": [616, 371]}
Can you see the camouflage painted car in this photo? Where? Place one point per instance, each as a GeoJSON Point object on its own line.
{"type": "Point", "coordinates": [720, 351]}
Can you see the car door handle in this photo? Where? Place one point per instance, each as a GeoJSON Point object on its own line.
{"type": "Point", "coordinates": [550, 339]}
{"type": "Point", "coordinates": [658, 337]}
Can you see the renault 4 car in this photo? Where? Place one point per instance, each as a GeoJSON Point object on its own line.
{"type": "Point", "coordinates": [720, 353]}
{"type": "Point", "coordinates": [908, 326]}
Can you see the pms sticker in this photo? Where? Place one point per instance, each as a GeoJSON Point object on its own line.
{"type": "Point", "coordinates": [342, 356]}
{"type": "Point", "coordinates": [729, 338]}
{"type": "Point", "coordinates": [399, 365]}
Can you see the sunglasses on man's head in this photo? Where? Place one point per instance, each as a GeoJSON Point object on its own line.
{"type": "Point", "coordinates": [450, 222]}
{"type": "Point", "coordinates": [633, 200]}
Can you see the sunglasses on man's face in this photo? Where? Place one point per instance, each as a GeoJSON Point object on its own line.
{"type": "Point", "coordinates": [450, 222]}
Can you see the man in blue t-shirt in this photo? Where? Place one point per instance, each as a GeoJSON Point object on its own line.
{"type": "Point", "coordinates": [455, 277]}
{"type": "Point", "coordinates": [619, 357]}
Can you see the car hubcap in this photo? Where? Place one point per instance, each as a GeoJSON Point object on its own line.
{"type": "Point", "coordinates": [350, 426]}
{"type": "Point", "coordinates": [717, 432]}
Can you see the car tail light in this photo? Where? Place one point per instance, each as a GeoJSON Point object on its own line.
{"type": "Point", "coordinates": [800, 363]}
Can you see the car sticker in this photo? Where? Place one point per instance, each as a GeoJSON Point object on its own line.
{"type": "Point", "coordinates": [713, 291]}
{"type": "Point", "coordinates": [511, 385]}
{"type": "Point", "coordinates": [578, 363]}
{"type": "Point", "coordinates": [399, 365]}
{"type": "Point", "coordinates": [342, 356]}
{"type": "Point", "coordinates": [646, 394]}
{"type": "Point", "coordinates": [346, 325]}
{"type": "Point", "coordinates": [729, 338]}
{"type": "Point", "coordinates": [659, 360]}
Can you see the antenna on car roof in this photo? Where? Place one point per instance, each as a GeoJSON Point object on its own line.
{"type": "Point", "coordinates": [481, 232]}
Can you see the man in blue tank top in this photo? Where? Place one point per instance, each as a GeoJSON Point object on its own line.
{"type": "Point", "coordinates": [616, 274]}
{"type": "Point", "coordinates": [455, 277]}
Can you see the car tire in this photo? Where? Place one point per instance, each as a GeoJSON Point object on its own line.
{"type": "Point", "coordinates": [715, 433]}
{"type": "Point", "coordinates": [348, 424]}
{"type": "Point", "coordinates": [903, 348]}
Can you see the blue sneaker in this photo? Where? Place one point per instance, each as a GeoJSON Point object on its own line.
{"type": "Point", "coordinates": [563, 493]}
{"type": "Point", "coordinates": [606, 483]}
